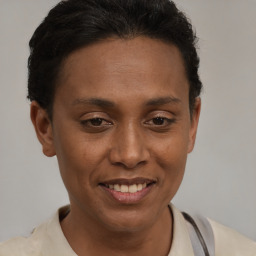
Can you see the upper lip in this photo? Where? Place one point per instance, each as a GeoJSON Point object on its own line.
{"type": "Point", "coordinates": [123, 181]}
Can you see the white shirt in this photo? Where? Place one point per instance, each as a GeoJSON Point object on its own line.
{"type": "Point", "coordinates": [49, 240]}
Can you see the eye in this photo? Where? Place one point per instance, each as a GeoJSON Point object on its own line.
{"type": "Point", "coordinates": [96, 123]}
{"type": "Point", "coordinates": [159, 120]}
{"type": "Point", "coordinates": [160, 123]}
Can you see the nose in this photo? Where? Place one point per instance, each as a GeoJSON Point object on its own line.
{"type": "Point", "coordinates": [128, 148]}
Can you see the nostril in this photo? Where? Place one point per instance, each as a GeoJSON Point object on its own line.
{"type": "Point", "coordinates": [128, 166]}
{"type": "Point", "coordinates": [129, 153]}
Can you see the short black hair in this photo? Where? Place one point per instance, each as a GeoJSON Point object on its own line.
{"type": "Point", "coordinates": [73, 24]}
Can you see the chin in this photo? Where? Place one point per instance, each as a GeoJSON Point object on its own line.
{"type": "Point", "coordinates": [128, 221]}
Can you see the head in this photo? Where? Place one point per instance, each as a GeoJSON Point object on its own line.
{"type": "Point", "coordinates": [74, 24]}
{"type": "Point", "coordinates": [114, 87]}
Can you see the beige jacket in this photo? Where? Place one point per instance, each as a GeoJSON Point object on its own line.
{"type": "Point", "coordinates": [49, 240]}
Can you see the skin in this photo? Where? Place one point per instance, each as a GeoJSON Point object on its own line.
{"type": "Point", "coordinates": [145, 130]}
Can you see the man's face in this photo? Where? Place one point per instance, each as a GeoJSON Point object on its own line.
{"type": "Point", "coordinates": [121, 121]}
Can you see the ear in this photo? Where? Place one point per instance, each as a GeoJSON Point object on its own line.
{"type": "Point", "coordinates": [43, 128]}
{"type": "Point", "coordinates": [194, 124]}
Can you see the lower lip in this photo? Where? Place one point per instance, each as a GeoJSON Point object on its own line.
{"type": "Point", "coordinates": [128, 198]}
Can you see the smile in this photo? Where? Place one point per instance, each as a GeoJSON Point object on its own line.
{"type": "Point", "coordinates": [128, 191]}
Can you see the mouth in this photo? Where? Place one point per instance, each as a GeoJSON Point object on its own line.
{"type": "Point", "coordinates": [128, 190]}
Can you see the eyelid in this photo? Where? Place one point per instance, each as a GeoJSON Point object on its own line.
{"type": "Point", "coordinates": [93, 115]}
{"type": "Point", "coordinates": [86, 121]}
{"type": "Point", "coordinates": [94, 118]}
{"type": "Point", "coordinates": [88, 126]}
{"type": "Point", "coordinates": [169, 120]}
{"type": "Point", "coordinates": [161, 114]}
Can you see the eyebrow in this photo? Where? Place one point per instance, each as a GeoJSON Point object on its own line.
{"type": "Point", "coordinates": [106, 103]}
{"type": "Point", "coordinates": [93, 101]}
{"type": "Point", "coordinates": [162, 101]}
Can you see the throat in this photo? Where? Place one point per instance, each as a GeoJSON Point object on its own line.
{"type": "Point", "coordinates": [155, 240]}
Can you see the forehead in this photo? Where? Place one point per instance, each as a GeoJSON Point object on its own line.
{"type": "Point", "coordinates": [141, 65]}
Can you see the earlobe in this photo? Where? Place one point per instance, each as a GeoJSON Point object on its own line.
{"type": "Point", "coordinates": [194, 124]}
{"type": "Point", "coordinates": [43, 128]}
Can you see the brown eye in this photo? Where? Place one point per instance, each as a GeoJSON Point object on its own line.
{"type": "Point", "coordinates": [96, 124]}
{"type": "Point", "coordinates": [96, 121]}
{"type": "Point", "coordinates": [160, 123]}
{"type": "Point", "coordinates": [158, 120]}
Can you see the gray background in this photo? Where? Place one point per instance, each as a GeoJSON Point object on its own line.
{"type": "Point", "coordinates": [221, 172]}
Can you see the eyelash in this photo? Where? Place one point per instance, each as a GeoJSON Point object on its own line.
{"type": "Point", "coordinates": [88, 122]}
{"type": "Point", "coordinates": [164, 119]}
{"type": "Point", "coordinates": [103, 124]}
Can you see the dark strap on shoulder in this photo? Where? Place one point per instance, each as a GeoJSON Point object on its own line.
{"type": "Point", "coordinates": [189, 219]}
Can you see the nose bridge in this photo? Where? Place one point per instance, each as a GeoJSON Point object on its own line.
{"type": "Point", "coordinates": [129, 148]}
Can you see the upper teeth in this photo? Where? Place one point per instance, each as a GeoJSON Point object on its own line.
{"type": "Point", "coordinates": [127, 189]}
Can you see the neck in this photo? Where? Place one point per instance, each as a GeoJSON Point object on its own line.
{"type": "Point", "coordinates": [89, 238]}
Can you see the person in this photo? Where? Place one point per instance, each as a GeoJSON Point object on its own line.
{"type": "Point", "coordinates": [115, 95]}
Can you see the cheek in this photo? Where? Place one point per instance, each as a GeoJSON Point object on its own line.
{"type": "Point", "coordinates": [171, 153]}
{"type": "Point", "coordinates": [171, 157]}
{"type": "Point", "coordinates": [78, 159]}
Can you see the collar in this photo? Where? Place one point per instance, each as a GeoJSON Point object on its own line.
{"type": "Point", "coordinates": [181, 243]}
{"type": "Point", "coordinates": [55, 243]}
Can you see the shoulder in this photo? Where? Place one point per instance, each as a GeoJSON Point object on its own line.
{"type": "Point", "coordinates": [20, 246]}
{"type": "Point", "coordinates": [230, 242]}
{"type": "Point", "coordinates": [47, 239]}
{"type": "Point", "coordinates": [25, 246]}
